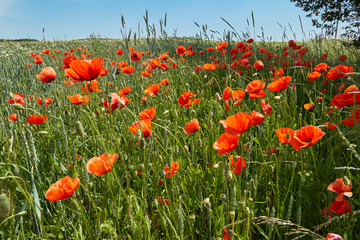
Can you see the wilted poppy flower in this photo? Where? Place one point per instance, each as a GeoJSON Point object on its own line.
{"type": "Point", "coordinates": [284, 135]}
{"type": "Point", "coordinates": [258, 65]}
{"type": "Point", "coordinates": [309, 106]}
{"type": "Point", "coordinates": [221, 46]}
{"type": "Point", "coordinates": [47, 75]}
{"type": "Point", "coordinates": [17, 98]}
{"type": "Point", "coordinates": [78, 99]}
{"type": "Point", "coordinates": [280, 84]}
{"type": "Point", "coordinates": [143, 125]}
{"type": "Point", "coordinates": [148, 113]}
{"type": "Point", "coordinates": [333, 236]}
{"type": "Point", "coordinates": [237, 166]}
{"type": "Point", "coordinates": [174, 168]}
{"type": "Point", "coordinates": [36, 119]}
{"type": "Point", "coordinates": [266, 108]}
{"type": "Point", "coordinates": [81, 70]}
{"type": "Point", "coordinates": [226, 143]}
{"type": "Point", "coordinates": [62, 189]}
{"type": "Point", "coordinates": [13, 117]}
{"type": "Point", "coordinates": [306, 137]}
{"type": "Point", "coordinates": [101, 164]}
{"type": "Point", "coordinates": [192, 126]}
{"type": "Point", "coordinates": [237, 124]}
{"type": "Point", "coordinates": [339, 71]}
{"type": "Point", "coordinates": [153, 89]}
{"type": "Point", "coordinates": [135, 56]}
{"type": "Point", "coordinates": [181, 50]}
{"type": "Point", "coordinates": [128, 69]}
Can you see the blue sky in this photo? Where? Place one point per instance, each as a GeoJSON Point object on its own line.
{"type": "Point", "coordinates": [74, 19]}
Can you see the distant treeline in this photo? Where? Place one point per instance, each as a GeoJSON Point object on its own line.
{"type": "Point", "coordinates": [19, 40]}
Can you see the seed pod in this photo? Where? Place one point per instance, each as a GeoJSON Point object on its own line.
{"type": "Point", "coordinates": [5, 207]}
{"type": "Point", "coordinates": [210, 124]}
{"type": "Point", "coordinates": [207, 203]}
{"type": "Point", "coordinates": [247, 146]}
{"type": "Point", "coordinates": [186, 149]}
{"type": "Point", "coordinates": [79, 129]}
{"type": "Point", "coordinates": [43, 132]}
{"type": "Point", "coordinates": [346, 181]}
{"type": "Point", "coordinates": [218, 97]}
{"type": "Point", "coordinates": [229, 176]}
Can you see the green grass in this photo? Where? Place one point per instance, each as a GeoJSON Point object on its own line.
{"type": "Point", "coordinates": [277, 196]}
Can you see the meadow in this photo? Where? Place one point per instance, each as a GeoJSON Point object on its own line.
{"type": "Point", "coordinates": [179, 138]}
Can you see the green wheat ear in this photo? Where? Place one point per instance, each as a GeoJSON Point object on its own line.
{"type": "Point", "coordinates": [5, 208]}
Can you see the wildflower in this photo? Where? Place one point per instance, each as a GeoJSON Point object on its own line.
{"type": "Point", "coordinates": [237, 124]}
{"type": "Point", "coordinates": [17, 98]}
{"type": "Point", "coordinates": [81, 70]}
{"type": "Point", "coordinates": [237, 166]}
{"type": "Point", "coordinates": [101, 164]}
{"type": "Point", "coordinates": [280, 84]}
{"type": "Point", "coordinates": [148, 113]}
{"type": "Point", "coordinates": [333, 236]}
{"type": "Point", "coordinates": [116, 101]}
{"type": "Point", "coordinates": [258, 65]}
{"type": "Point", "coordinates": [226, 143]}
{"type": "Point", "coordinates": [181, 50]}
{"type": "Point", "coordinates": [119, 51]}
{"type": "Point", "coordinates": [257, 118]}
{"type": "Point", "coordinates": [192, 126]}
{"type": "Point", "coordinates": [309, 106]}
{"type": "Point", "coordinates": [174, 168]}
{"type": "Point", "coordinates": [47, 75]}
{"type": "Point", "coordinates": [153, 89]}
{"type": "Point", "coordinates": [128, 69]}
{"type": "Point", "coordinates": [36, 119]}
{"type": "Point", "coordinates": [339, 71]}
{"type": "Point", "coordinates": [62, 189]}
{"type": "Point", "coordinates": [143, 125]}
{"type": "Point", "coordinates": [13, 117]}
{"type": "Point", "coordinates": [284, 135]}
{"type": "Point", "coordinates": [185, 101]}
{"type": "Point", "coordinates": [354, 118]}
{"type": "Point", "coordinates": [135, 56]}
{"type": "Point", "coordinates": [124, 91]}
{"type": "Point", "coordinates": [221, 46]}
{"type": "Point", "coordinates": [306, 137]}
{"type": "Point", "coordinates": [266, 108]}
{"type": "Point", "coordinates": [78, 99]}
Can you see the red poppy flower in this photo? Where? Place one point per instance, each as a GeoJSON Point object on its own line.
{"type": "Point", "coordinates": [313, 75]}
{"type": "Point", "coordinates": [119, 51]}
{"type": "Point", "coordinates": [339, 71]}
{"type": "Point", "coordinates": [340, 187]}
{"type": "Point", "coordinates": [135, 56]}
{"type": "Point", "coordinates": [17, 98]}
{"type": "Point", "coordinates": [352, 88]}
{"type": "Point", "coordinates": [101, 164]}
{"type": "Point", "coordinates": [321, 67]}
{"type": "Point", "coordinates": [125, 91]}
{"type": "Point", "coordinates": [331, 126]}
{"type": "Point", "coordinates": [81, 70]}
{"type": "Point", "coordinates": [306, 137]}
{"type": "Point", "coordinates": [94, 87]}
{"type": "Point", "coordinates": [62, 189]}
{"type": "Point", "coordinates": [164, 82]}
{"type": "Point", "coordinates": [47, 101]}
{"type": "Point", "coordinates": [116, 101]}
{"type": "Point", "coordinates": [266, 108]}
{"type": "Point", "coordinates": [333, 236]}
{"type": "Point", "coordinates": [226, 143]}
{"type": "Point", "coordinates": [237, 166]}
{"type": "Point", "coordinates": [181, 50]}
{"type": "Point", "coordinates": [354, 118]}
{"type": "Point", "coordinates": [67, 60]}
{"type": "Point", "coordinates": [254, 86]}
{"type": "Point", "coordinates": [226, 236]}
{"type": "Point", "coordinates": [36, 119]}
{"type": "Point", "coordinates": [153, 89]}
{"type": "Point", "coordinates": [233, 95]}
{"type": "Point", "coordinates": [174, 168]}
{"type": "Point", "coordinates": [258, 65]}
{"type": "Point", "coordinates": [346, 99]}
{"type": "Point", "coordinates": [340, 205]}
{"type": "Point", "coordinates": [128, 69]}
{"type": "Point", "coordinates": [78, 99]}
{"type": "Point", "coordinates": [192, 126]}
{"type": "Point", "coordinates": [143, 125]}
{"type": "Point", "coordinates": [280, 84]}
{"type": "Point", "coordinates": [221, 46]}
{"type": "Point", "coordinates": [47, 75]}
{"type": "Point", "coordinates": [237, 124]}
{"type": "Point", "coordinates": [284, 135]}
{"type": "Point", "coordinates": [185, 101]}
{"type": "Point", "coordinates": [257, 118]}
{"type": "Point", "coordinates": [13, 117]}
{"type": "Point", "coordinates": [148, 113]}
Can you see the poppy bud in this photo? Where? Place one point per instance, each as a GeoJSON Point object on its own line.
{"type": "Point", "coordinates": [247, 146]}
{"type": "Point", "coordinates": [193, 112]}
{"type": "Point", "coordinates": [79, 129]}
{"type": "Point", "coordinates": [247, 211]}
{"type": "Point", "coordinates": [186, 149]}
{"type": "Point", "coordinates": [12, 156]}
{"type": "Point", "coordinates": [160, 158]}
{"type": "Point", "coordinates": [138, 135]}
{"type": "Point", "coordinates": [18, 106]}
{"type": "Point", "coordinates": [229, 176]}
{"type": "Point", "coordinates": [270, 169]}
{"type": "Point", "coordinates": [5, 207]}
{"type": "Point", "coordinates": [199, 143]}
{"type": "Point", "coordinates": [277, 98]}
{"type": "Point", "coordinates": [232, 215]}
{"type": "Point", "coordinates": [43, 132]}
{"type": "Point", "coordinates": [121, 103]}
{"type": "Point", "coordinates": [210, 124]}
{"type": "Point", "coordinates": [211, 114]}
{"type": "Point", "coordinates": [346, 181]}
{"type": "Point", "coordinates": [217, 96]}
{"type": "Point", "coordinates": [216, 166]}
{"type": "Point", "coordinates": [142, 143]}
{"type": "Point", "coordinates": [250, 200]}
{"type": "Point", "coordinates": [207, 203]}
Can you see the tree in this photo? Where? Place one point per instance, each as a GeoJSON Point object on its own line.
{"type": "Point", "coordinates": [328, 14]}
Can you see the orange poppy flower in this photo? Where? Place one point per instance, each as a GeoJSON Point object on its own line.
{"type": "Point", "coordinates": [339, 71]}
{"type": "Point", "coordinates": [174, 168]}
{"type": "Point", "coordinates": [346, 99]}
{"type": "Point", "coordinates": [185, 97]}
{"type": "Point", "coordinates": [257, 118]}
{"type": "Point", "coordinates": [47, 101]}
{"type": "Point", "coordinates": [13, 117]}
{"type": "Point", "coordinates": [62, 189]}
{"type": "Point", "coordinates": [128, 69]}
{"type": "Point", "coordinates": [181, 50]}
{"type": "Point", "coordinates": [227, 106]}
{"type": "Point", "coordinates": [226, 143]}
{"type": "Point", "coordinates": [352, 88]}
{"type": "Point", "coordinates": [306, 137]}
{"type": "Point", "coordinates": [164, 82]}
{"type": "Point", "coordinates": [47, 75]}
{"type": "Point", "coordinates": [78, 99]}
{"type": "Point", "coordinates": [153, 89]}
{"type": "Point", "coordinates": [17, 98]}
{"type": "Point", "coordinates": [119, 51]}
{"type": "Point", "coordinates": [237, 124]}
{"type": "Point", "coordinates": [67, 60]}
{"type": "Point", "coordinates": [309, 106]}
{"type": "Point", "coordinates": [237, 166]}
{"type": "Point", "coordinates": [125, 91]}
{"type": "Point", "coordinates": [93, 88]}
{"type": "Point", "coordinates": [321, 67]}
{"type": "Point", "coordinates": [233, 95]}
{"type": "Point", "coordinates": [143, 125]}
{"type": "Point", "coordinates": [313, 75]}
{"type": "Point", "coordinates": [221, 46]}
{"type": "Point", "coordinates": [36, 119]}
{"type": "Point", "coordinates": [258, 65]}
{"type": "Point", "coordinates": [280, 84]}
{"type": "Point", "coordinates": [101, 164]}
{"type": "Point", "coordinates": [81, 70]}
{"type": "Point", "coordinates": [266, 108]}
{"type": "Point", "coordinates": [116, 101]}
{"type": "Point", "coordinates": [135, 56]}
{"type": "Point", "coordinates": [254, 86]}
{"type": "Point", "coordinates": [192, 126]}
{"type": "Point", "coordinates": [284, 135]}
{"type": "Point", "coordinates": [208, 66]}
{"type": "Point", "coordinates": [148, 113]}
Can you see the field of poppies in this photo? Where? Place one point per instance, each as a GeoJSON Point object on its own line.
{"type": "Point", "coordinates": [174, 138]}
